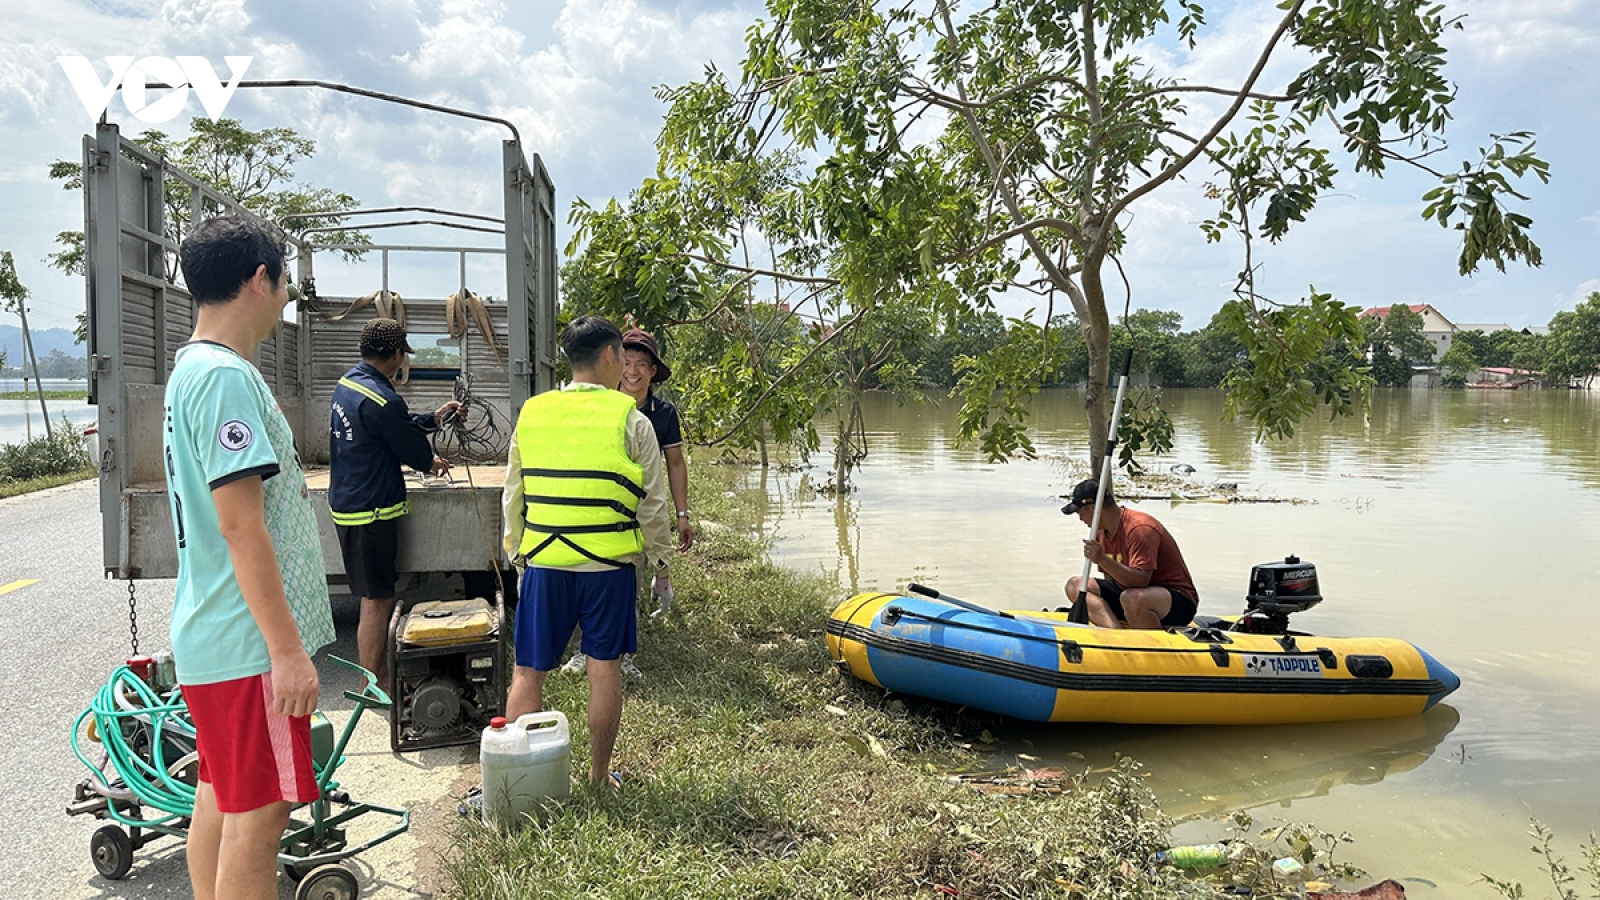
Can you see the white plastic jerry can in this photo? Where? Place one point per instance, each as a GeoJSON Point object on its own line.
{"type": "Point", "coordinates": [524, 763]}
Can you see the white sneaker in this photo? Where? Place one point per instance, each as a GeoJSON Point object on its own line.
{"type": "Point", "coordinates": [577, 665]}
{"type": "Point", "coordinates": [629, 669]}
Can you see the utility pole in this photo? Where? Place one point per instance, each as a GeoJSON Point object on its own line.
{"type": "Point", "coordinates": [13, 294]}
{"type": "Point", "coordinates": [27, 344]}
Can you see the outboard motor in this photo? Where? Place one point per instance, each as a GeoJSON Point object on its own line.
{"type": "Point", "coordinates": [1278, 589]}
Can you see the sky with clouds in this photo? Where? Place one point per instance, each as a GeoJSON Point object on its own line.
{"type": "Point", "coordinates": [578, 79]}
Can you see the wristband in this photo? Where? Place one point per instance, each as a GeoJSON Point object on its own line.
{"type": "Point", "coordinates": [683, 514]}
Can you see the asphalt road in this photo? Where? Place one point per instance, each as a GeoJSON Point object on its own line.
{"type": "Point", "coordinates": [63, 635]}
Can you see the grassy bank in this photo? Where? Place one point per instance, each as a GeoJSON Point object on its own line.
{"type": "Point", "coordinates": [48, 395]}
{"type": "Point", "coordinates": [28, 486]}
{"type": "Point", "coordinates": [754, 769]}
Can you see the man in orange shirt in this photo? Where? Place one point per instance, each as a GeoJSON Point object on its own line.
{"type": "Point", "coordinates": [1147, 584]}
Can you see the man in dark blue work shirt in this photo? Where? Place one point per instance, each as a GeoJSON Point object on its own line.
{"type": "Point", "coordinates": [371, 434]}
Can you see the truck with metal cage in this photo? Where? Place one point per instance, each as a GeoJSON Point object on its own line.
{"type": "Point", "coordinates": [139, 313]}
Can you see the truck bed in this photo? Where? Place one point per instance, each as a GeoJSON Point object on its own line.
{"type": "Point", "coordinates": [480, 476]}
{"type": "Point", "coordinates": [462, 515]}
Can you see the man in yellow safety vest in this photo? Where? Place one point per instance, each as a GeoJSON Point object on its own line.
{"type": "Point", "coordinates": [584, 500]}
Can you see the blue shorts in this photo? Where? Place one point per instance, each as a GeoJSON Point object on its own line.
{"type": "Point", "coordinates": [555, 601]}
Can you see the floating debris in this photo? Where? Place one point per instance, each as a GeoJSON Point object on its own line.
{"type": "Point", "coordinates": [1383, 890]}
{"type": "Point", "coordinates": [1173, 489]}
{"type": "Point", "coordinates": [1016, 781]}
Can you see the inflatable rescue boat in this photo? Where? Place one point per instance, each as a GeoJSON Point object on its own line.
{"type": "Point", "coordinates": [1040, 666]}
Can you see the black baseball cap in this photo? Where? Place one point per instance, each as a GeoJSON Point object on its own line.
{"type": "Point", "coordinates": [381, 338]}
{"type": "Point", "coordinates": [1083, 495]}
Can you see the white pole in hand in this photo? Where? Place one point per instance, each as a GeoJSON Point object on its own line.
{"type": "Point", "coordinates": [1080, 607]}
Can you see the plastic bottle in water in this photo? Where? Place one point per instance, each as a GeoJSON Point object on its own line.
{"type": "Point", "coordinates": [524, 763]}
{"type": "Point", "coordinates": [1194, 856]}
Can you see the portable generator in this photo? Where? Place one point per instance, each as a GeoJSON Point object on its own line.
{"type": "Point", "coordinates": [447, 665]}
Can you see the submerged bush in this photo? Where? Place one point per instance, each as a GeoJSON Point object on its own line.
{"type": "Point", "coordinates": [61, 453]}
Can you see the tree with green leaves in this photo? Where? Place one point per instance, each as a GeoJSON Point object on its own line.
{"type": "Point", "coordinates": [256, 168]}
{"type": "Point", "coordinates": [875, 354]}
{"type": "Point", "coordinates": [1477, 343]}
{"type": "Point", "coordinates": [12, 292]}
{"type": "Point", "coordinates": [1573, 348]}
{"type": "Point", "coordinates": [939, 153]}
{"type": "Point", "coordinates": [1395, 345]}
{"type": "Point", "coordinates": [968, 334]}
{"type": "Point", "coordinates": [1210, 353]}
{"type": "Point", "coordinates": [1528, 352]}
{"type": "Point", "coordinates": [1505, 348]}
{"type": "Point", "coordinates": [1459, 364]}
{"type": "Point", "coordinates": [1153, 335]}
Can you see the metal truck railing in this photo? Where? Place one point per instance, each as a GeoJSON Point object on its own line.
{"type": "Point", "coordinates": [139, 313]}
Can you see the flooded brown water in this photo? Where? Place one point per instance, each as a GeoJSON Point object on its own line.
{"type": "Point", "coordinates": [1466, 522]}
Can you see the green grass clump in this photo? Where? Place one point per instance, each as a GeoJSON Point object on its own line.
{"type": "Point", "coordinates": [18, 488]}
{"type": "Point", "coordinates": [754, 769]}
{"type": "Point", "coordinates": [48, 395]}
{"type": "Point", "coordinates": [61, 453]}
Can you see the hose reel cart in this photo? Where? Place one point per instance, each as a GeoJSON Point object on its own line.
{"type": "Point", "coordinates": [143, 768]}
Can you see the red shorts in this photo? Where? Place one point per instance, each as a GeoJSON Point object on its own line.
{"type": "Point", "coordinates": [250, 755]}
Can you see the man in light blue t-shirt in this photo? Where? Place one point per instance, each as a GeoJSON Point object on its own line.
{"type": "Point", "coordinates": [252, 599]}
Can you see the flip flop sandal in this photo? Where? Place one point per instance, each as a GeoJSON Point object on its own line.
{"type": "Point", "coordinates": [614, 781]}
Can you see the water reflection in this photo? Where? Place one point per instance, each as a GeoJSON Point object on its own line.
{"type": "Point", "coordinates": [1406, 429]}
{"type": "Point", "coordinates": [20, 419]}
{"type": "Point", "coordinates": [1211, 770]}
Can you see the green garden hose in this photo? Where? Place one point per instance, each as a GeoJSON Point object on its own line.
{"type": "Point", "coordinates": [127, 697]}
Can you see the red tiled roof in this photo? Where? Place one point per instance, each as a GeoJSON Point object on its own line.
{"type": "Point", "coordinates": [1382, 312]}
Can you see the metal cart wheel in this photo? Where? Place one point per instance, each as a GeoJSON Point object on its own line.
{"type": "Point", "coordinates": [112, 851]}
{"type": "Point", "coordinates": [297, 872]}
{"type": "Point", "coordinates": [329, 882]}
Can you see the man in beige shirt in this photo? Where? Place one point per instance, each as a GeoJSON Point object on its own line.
{"type": "Point", "coordinates": [584, 501]}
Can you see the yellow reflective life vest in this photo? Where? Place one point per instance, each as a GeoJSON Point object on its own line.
{"type": "Point", "coordinates": [581, 492]}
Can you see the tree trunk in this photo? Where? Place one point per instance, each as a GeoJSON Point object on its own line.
{"type": "Point", "coordinates": [845, 453]}
{"type": "Point", "coordinates": [1097, 334]}
{"type": "Point", "coordinates": [841, 457]}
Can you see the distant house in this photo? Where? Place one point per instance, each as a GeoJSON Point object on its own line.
{"type": "Point", "coordinates": [1441, 332]}
{"type": "Point", "coordinates": [1435, 327]}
